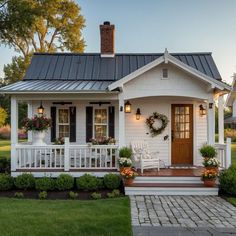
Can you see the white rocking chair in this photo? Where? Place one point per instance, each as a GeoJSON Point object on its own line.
{"type": "Point", "coordinates": [143, 158]}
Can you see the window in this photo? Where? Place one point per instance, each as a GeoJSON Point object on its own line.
{"type": "Point", "coordinates": [165, 73]}
{"type": "Point", "coordinates": [100, 123]}
{"type": "Point", "coordinates": [63, 123]}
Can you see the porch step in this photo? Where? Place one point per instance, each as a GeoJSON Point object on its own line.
{"type": "Point", "coordinates": [168, 179]}
{"type": "Point", "coordinates": [170, 189]}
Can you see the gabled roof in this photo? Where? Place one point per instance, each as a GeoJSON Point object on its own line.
{"type": "Point", "coordinates": [91, 66]}
{"type": "Point", "coordinates": [232, 95]}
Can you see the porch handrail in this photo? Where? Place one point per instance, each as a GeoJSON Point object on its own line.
{"type": "Point", "coordinates": [66, 157]}
{"type": "Point", "coordinates": [224, 153]}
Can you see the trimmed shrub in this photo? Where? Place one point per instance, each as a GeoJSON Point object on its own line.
{"type": "Point", "coordinates": [208, 151]}
{"type": "Point", "coordinates": [96, 196]}
{"type": "Point", "coordinates": [64, 182]}
{"type": "Point", "coordinates": [19, 195]}
{"type": "Point", "coordinates": [44, 184]}
{"type": "Point", "coordinates": [73, 195]}
{"type": "Point", "coordinates": [87, 182]}
{"type": "Point", "coordinates": [25, 181]}
{"type": "Point", "coordinates": [227, 180]}
{"type": "Point", "coordinates": [6, 182]}
{"type": "Point", "coordinates": [5, 132]}
{"type": "Point", "coordinates": [114, 193]}
{"type": "Point", "coordinates": [100, 183]}
{"type": "Point", "coordinates": [112, 181]}
{"type": "Point", "coordinates": [43, 195]}
{"type": "Point", "coordinates": [125, 152]}
{"type": "Point", "coordinates": [5, 164]}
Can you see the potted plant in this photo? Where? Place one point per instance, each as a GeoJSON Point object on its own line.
{"type": "Point", "coordinates": [124, 163]}
{"type": "Point", "coordinates": [209, 178]}
{"type": "Point", "coordinates": [208, 151]}
{"type": "Point", "coordinates": [125, 152]}
{"type": "Point", "coordinates": [128, 176]}
{"type": "Point", "coordinates": [211, 163]}
{"type": "Point", "coordinates": [38, 125]}
{"type": "Point", "coordinates": [103, 141]}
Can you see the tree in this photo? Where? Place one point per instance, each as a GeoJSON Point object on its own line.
{"type": "Point", "coordinates": [3, 116]}
{"type": "Point", "coordinates": [39, 26]}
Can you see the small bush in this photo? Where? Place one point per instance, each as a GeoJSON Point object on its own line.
{"type": "Point", "coordinates": [114, 193]}
{"type": "Point", "coordinates": [227, 180]}
{"type": "Point", "coordinates": [73, 195]}
{"type": "Point", "coordinates": [5, 132]}
{"type": "Point", "coordinates": [87, 182]}
{"type": "Point", "coordinates": [19, 195]}
{"type": "Point", "coordinates": [5, 164]}
{"type": "Point", "coordinates": [112, 181]}
{"type": "Point", "coordinates": [125, 152]}
{"type": "Point", "coordinates": [64, 182]}
{"type": "Point", "coordinates": [100, 183]}
{"type": "Point", "coordinates": [25, 181]}
{"type": "Point", "coordinates": [45, 184]}
{"type": "Point", "coordinates": [96, 196]}
{"type": "Point", "coordinates": [43, 195]}
{"type": "Point", "coordinates": [6, 182]}
{"type": "Point", "coordinates": [208, 151]}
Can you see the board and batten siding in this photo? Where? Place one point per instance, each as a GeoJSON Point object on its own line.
{"type": "Point", "coordinates": [80, 117]}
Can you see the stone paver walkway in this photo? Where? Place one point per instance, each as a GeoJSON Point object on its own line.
{"type": "Point", "coordinates": [182, 211]}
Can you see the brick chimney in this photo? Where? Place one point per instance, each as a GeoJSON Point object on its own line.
{"type": "Point", "coordinates": [107, 32]}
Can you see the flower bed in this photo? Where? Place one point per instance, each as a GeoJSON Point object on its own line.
{"type": "Point", "coordinates": [64, 187]}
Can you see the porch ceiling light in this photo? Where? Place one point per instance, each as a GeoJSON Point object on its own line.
{"type": "Point", "coordinates": [138, 114]}
{"type": "Point", "coordinates": [202, 110]}
{"type": "Point", "coordinates": [127, 107]}
{"type": "Point", "coordinates": [41, 109]}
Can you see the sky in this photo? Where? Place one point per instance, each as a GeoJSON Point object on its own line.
{"type": "Point", "coordinates": [153, 25]}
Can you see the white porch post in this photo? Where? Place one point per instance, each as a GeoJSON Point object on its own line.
{"type": "Point", "coordinates": [30, 115]}
{"type": "Point", "coordinates": [14, 132]}
{"type": "Point", "coordinates": [67, 155]}
{"type": "Point", "coordinates": [211, 123]}
{"type": "Point", "coordinates": [221, 119]}
{"type": "Point", "coordinates": [121, 121]}
{"type": "Point", "coordinates": [228, 153]}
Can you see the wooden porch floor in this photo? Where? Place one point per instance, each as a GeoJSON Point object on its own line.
{"type": "Point", "coordinates": [189, 172]}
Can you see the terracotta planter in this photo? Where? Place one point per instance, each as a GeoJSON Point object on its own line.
{"type": "Point", "coordinates": [128, 181]}
{"type": "Point", "coordinates": [209, 182]}
{"type": "Point", "coordinates": [212, 168]}
{"type": "Point", "coordinates": [124, 168]}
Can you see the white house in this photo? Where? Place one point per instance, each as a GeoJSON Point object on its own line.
{"type": "Point", "coordinates": [231, 102]}
{"type": "Point", "coordinates": [85, 95]}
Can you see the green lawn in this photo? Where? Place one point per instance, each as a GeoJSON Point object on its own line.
{"type": "Point", "coordinates": [50, 217]}
{"type": "Point", "coordinates": [233, 154]}
{"type": "Point", "coordinates": [232, 200]}
{"type": "Point", "coordinates": [5, 148]}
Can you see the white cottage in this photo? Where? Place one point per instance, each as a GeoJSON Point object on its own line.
{"type": "Point", "coordinates": [86, 95]}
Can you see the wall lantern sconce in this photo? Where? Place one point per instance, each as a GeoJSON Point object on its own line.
{"type": "Point", "coordinates": [138, 114]}
{"type": "Point", "coordinates": [210, 105]}
{"type": "Point", "coordinates": [127, 107]}
{"type": "Point", "coordinates": [202, 110]}
{"type": "Point", "coordinates": [41, 109]}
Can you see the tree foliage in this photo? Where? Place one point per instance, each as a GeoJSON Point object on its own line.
{"type": "Point", "coordinates": [3, 116]}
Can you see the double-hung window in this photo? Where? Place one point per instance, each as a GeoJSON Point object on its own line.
{"type": "Point", "coordinates": [63, 123]}
{"type": "Point", "coordinates": [100, 123]}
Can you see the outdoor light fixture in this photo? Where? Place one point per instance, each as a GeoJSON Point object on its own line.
{"type": "Point", "coordinates": [138, 114]}
{"type": "Point", "coordinates": [127, 107]}
{"type": "Point", "coordinates": [210, 105]}
{"type": "Point", "coordinates": [202, 110]}
{"type": "Point", "coordinates": [41, 109]}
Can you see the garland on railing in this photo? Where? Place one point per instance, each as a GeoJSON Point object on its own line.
{"type": "Point", "coordinates": [151, 120]}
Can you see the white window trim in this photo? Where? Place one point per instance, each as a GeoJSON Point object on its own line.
{"type": "Point", "coordinates": [107, 124]}
{"type": "Point", "coordinates": [57, 119]}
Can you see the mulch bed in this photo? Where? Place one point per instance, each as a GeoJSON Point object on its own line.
{"type": "Point", "coordinates": [56, 195]}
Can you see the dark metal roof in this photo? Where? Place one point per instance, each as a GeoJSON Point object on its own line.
{"type": "Point", "coordinates": [93, 67]}
{"type": "Point", "coordinates": [56, 86]}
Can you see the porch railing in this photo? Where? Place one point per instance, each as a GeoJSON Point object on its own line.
{"type": "Point", "coordinates": [224, 153]}
{"type": "Point", "coordinates": [66, 157]}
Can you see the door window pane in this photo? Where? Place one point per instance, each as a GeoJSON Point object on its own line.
{"type": "Point", "coordinates": [100, 123]}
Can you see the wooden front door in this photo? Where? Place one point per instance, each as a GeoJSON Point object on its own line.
{"type": "Point", "coordinates": [182, 134]}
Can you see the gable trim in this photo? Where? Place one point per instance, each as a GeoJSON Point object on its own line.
{"type": "Point", "coordinates": [166, 58]}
